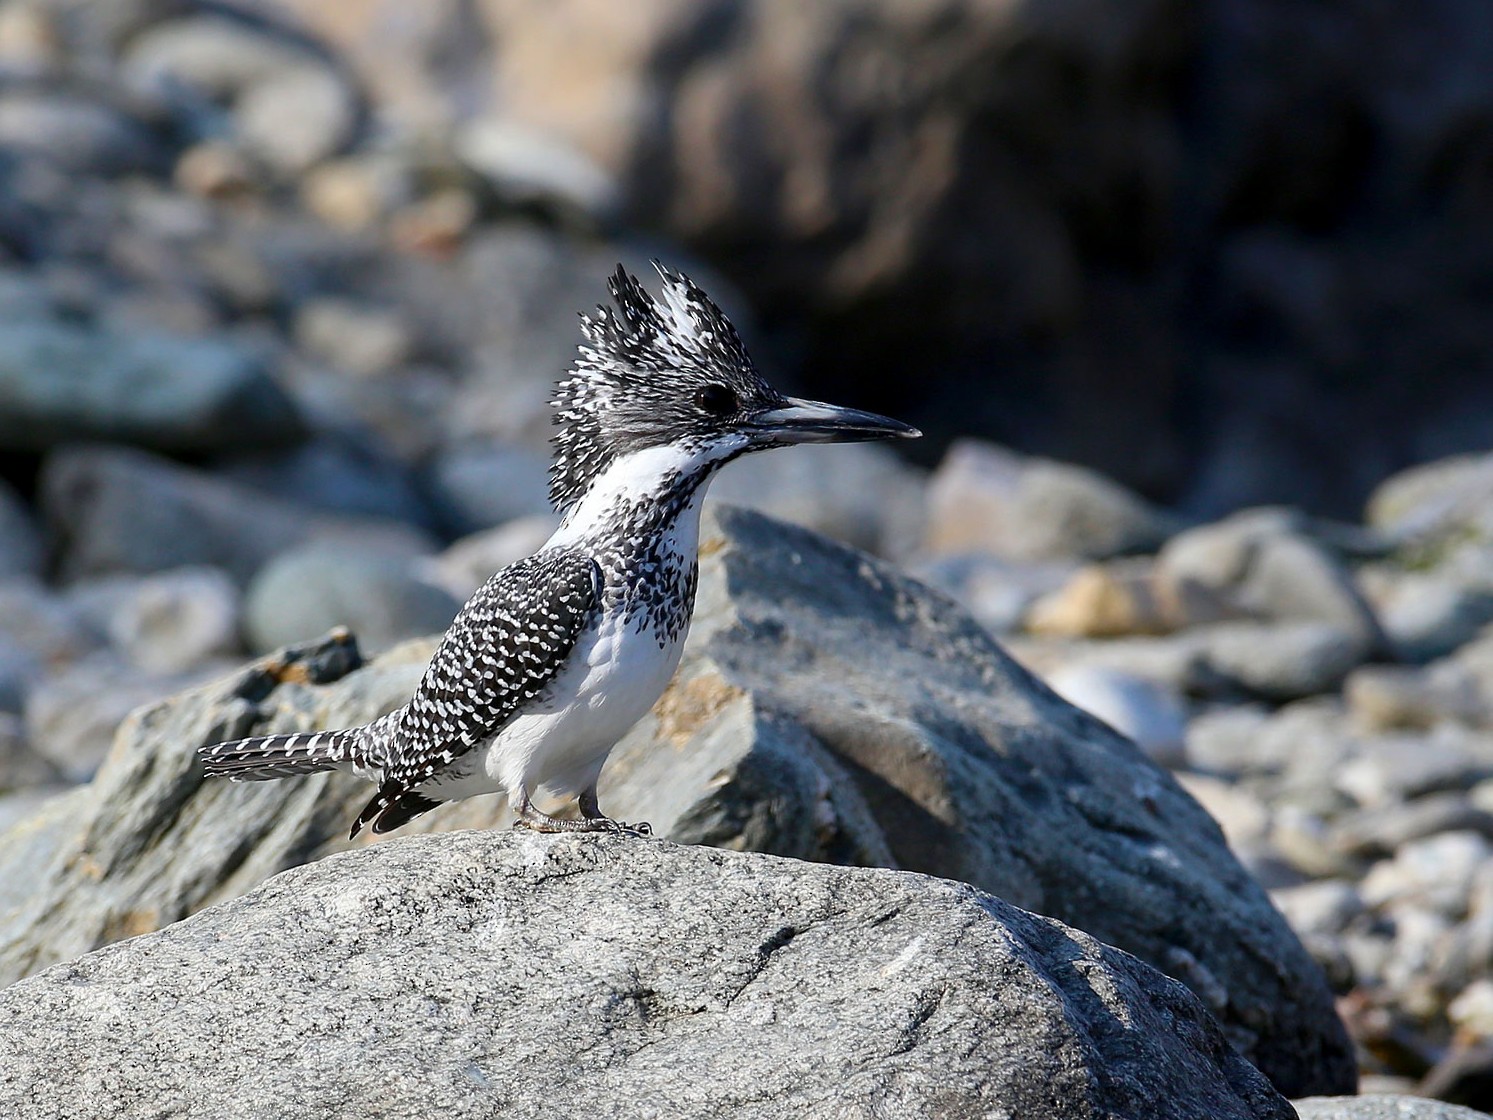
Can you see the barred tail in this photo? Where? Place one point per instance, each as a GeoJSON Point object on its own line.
{"type": "Point", "coordinates": [278, 756]}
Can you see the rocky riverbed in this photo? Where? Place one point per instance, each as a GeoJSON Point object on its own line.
{"type": "Point", "coordinates": [269, 366]}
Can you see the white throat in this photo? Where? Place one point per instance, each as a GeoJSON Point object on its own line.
{"type": "Point", "coordinates": [669, 480]}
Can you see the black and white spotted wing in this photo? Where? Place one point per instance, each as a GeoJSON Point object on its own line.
{"type": "Point", "coordinates": [502, 650]}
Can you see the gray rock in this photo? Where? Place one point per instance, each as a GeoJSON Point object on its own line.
{"type": "Point", "coordinates": [310, 590]}
{"type": "Point", "coordinates": [467, 564]}
{"type": "Point", "coordinates": [1177, 662]}
{"type": "Point", "coordinates": [476, 972]}
{"type": "Point", "coordinates": [986, 498]}
{"type": "Point", "coordinates": [337, 472]}
{"type": "Point", "coordinates": [362, 340]}
{"type": "Point", "coordinates": [81, 136]}
{"type": "Point", "coordinates": [1282, 660]}
{"type": "Point", "coordinates": [166, 622]}
{"type": "Point", "coordinates": [120, 510]}
{"type": "Point", "coordinates": [60, 383]}
{"type": "Point", "coordinates": [21, 768]}
{"type": "Point", "coordinates": [818, 688]}
{"type": "Point", "coordinates": [299, 118]}
{"type": "Point", "coordinates": [1393, 697]}
{"type": "Point", "coordinates": [1436, 499]}
{"type": "Point", "coordinates": [71, 716]}
{"type": "Point", "coordinates": [219, 57]}
{"type": "Point", "coordinates": [22, 552]}
{"type": "Point", "coordinates": [476, 486]}
{"type": "Point", "coordinates": [1382, 1107]}
{"type": "Point", "coordinates": [529, 167]}
{"type": "Point", "coordinates": [1226, 740]}
{"type": "Point", "coordinates": [1436, 873]}
{"type": "Point", "coordinates": [1426, 615]}
{"type": "Point", "coordinates": [1260, 564]}
{"type": "Point", "coordinates": [1387, 769]}
{"type": "Point", "coordinates": [1381, 830]}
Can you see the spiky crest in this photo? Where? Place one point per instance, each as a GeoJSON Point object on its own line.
{"type": "Point", "coordinates": [635, 373]}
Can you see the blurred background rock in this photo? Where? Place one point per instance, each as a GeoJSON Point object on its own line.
{"type": "Point", "coordinates": [1191, 296]}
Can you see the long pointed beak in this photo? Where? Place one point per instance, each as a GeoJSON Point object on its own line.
{"type": "Point", "coordinates": [800, 421]}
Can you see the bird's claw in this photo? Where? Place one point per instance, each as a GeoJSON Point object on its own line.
{"type": "Point", "coordinates": [623, 828]}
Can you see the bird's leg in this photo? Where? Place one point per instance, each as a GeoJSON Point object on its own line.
{"type": "Point", "coordinates": [591, 811]}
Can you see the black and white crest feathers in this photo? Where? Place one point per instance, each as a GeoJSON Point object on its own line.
{"type": "Point", "coordinates": [637, 374]}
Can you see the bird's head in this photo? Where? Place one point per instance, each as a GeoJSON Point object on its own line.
{"type": "Point", "coordinates": [672, 375]}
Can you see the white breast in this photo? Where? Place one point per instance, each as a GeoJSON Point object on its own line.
{"type": "Point", "coordinates": [615, 674]}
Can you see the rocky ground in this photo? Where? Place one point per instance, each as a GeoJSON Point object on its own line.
{"type": "Point", "coordinates": [265, 371]}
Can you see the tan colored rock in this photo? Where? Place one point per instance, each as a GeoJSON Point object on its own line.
{"type": "Point", "coordinates": [1100, 601]}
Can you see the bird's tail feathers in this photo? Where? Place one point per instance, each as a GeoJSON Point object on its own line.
{"type": "Point", "coordinates": [278, 756]}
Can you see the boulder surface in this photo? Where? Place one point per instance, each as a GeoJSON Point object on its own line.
{"type": "Point", "coordinates": [483, 973]}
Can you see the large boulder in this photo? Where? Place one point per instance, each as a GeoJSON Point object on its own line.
{"type": "Point", "coordinates": [481, 973]}
{"type": "Point", "coordinates": [828, 708]}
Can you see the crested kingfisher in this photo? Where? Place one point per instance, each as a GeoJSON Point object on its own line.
{"type": "Point", "coordinates": [556, 656]}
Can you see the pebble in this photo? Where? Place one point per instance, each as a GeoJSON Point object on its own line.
{"type": "Point", "coordinates": [1110, 600]}
{"type": "Point", "coordinates": [344, 472]}
{"type": "Point", "coordinates": [1259, 564]}
{"type": "Point", "coordinates": [365, 341]}
{"type": "Point", "coordinates": [1146, 712]}
{"type": "Point", "coordinates": [78, 135]}
{"type": "Point", "coordinates": [1381, 830]}
{"type": "Point", "coordinates": [121, 510]}
{"type": "Point", "coordinates": [1427, 616]}
{"type": "Point", "coordinates": [1435, 498]}
{"type": "Point", "coordinates": [1472, 1010]}
{"type": "Point", "coordinates": [1321, 907]}
{"type": "Point", "coordinates": [529, 167]}
{"type": "Point", "coordinates": [300, 118]}
{"type": "Point", "coordinates": [1435, 873]}
{"type": "Point", "coordinates": [1387, 769]}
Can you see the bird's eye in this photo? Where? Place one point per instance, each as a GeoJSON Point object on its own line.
{"type": "Point", "coordinates": [717, 400]}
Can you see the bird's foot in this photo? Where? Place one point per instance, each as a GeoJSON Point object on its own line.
{"type": "Point", "coordinates": [526, 816]}
{"type": "Point", "coordinates": [622, 828]}
{"type": "Point", "coordinates": [591, 811]}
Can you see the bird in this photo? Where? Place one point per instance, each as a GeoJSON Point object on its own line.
{"type": "Point", "coordinates": [557, 655]}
